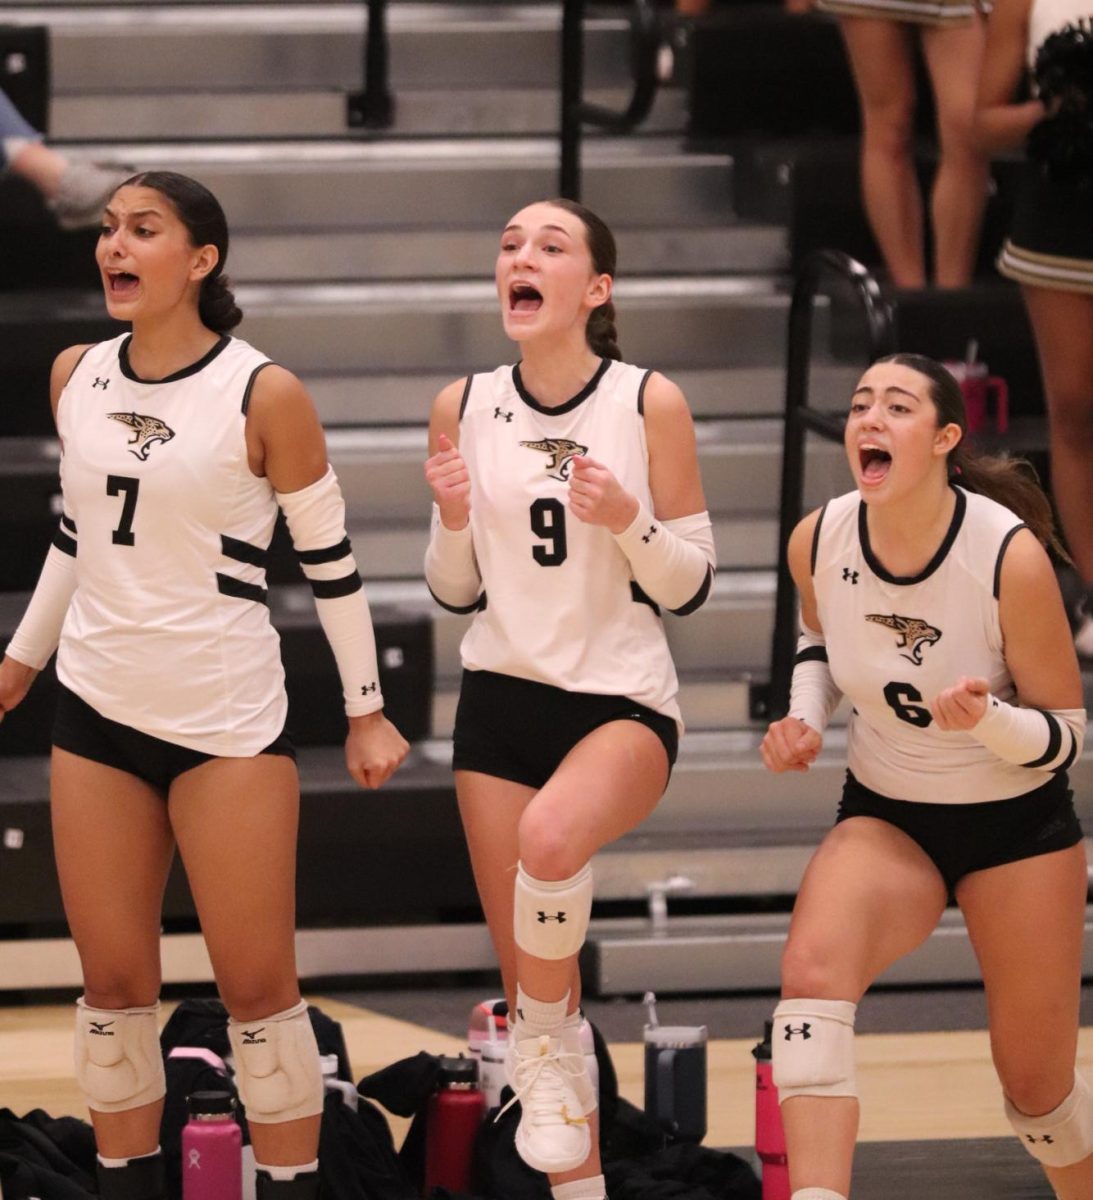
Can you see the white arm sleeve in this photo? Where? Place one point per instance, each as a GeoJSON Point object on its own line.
{"type": "Point", "coordinates": [316, 522]}
{"type": "Point", "coordinates": [673, 561]}
{"type": "Point", "coordinates": [813, 695]}
{"type": "Point", "coordinates": [40, 629]}
{"type": "Point", "coordinates": [1047, 739]}
{"type": "Point", "coordinates": [451, 570]}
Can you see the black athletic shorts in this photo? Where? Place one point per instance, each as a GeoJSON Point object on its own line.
{"type": "Point", "coordinates": [962, 838]}
{"type": "Point", "coordinates": [521, 730]}
{"type": "Point", "coordinates": [79, 729]}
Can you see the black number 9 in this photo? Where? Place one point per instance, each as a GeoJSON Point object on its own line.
{"type": "Point", "coordinates": [548, 522]}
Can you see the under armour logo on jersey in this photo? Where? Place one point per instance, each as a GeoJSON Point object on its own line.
{"type": "Point", "coordinates": [146, 432]}
{"type": "Point", "coordinates": [648, 537]}
{"type": "Point", "coordinates": [849, 576]}
{"type": "Point", "coordinates": [369, 687]}
{"type": "Point", "coordinates": [1047, 1139]}
{"type": "Point", "coordinates": [103, 383]}
{"type": "Point", "coordinates": [99, 1028]}
{"type": "Point", "coordinates": [500, 414]}
{"type": "Point", "coordinates": [802, 1032]}
{"type": "Point", "coordinates": [913, 632]}
{"type": "Point", "coordinates": [251, 1038]}
{"type": "Point", "coordinates": [560, 453]}
{"type": "Point", "coordinates": [558, 916]}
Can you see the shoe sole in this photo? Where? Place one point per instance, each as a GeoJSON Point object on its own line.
{"type": "Point", "coordinates": [555, 1167]}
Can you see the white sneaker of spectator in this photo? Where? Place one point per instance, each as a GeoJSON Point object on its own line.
{"type": "Point", "coordinates": [83, 191]}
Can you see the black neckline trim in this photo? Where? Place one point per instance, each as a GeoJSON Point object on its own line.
{"type": "Point", "coordinates": [940, 554]}
{"type": "Point", "coordinates": [185, 373]}
{"type": "Point", "coordinates": [571, 403]}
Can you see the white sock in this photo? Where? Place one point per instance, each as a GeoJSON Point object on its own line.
{"type": "Point", "coordinates": [12, 147]}
{"type": "Point", "coordinates": [114, 1163]}
{"type": "Point", "coordinates": [816, 1194]}
{"type": "Point", "coordinates": [288, 1172]}
{"type": "Point", "coordinates": [537, 1017]}
{"type": "Point", "coordinates": [592, 1188]}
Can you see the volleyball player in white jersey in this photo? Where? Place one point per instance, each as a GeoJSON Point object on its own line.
{"type": "Point", "coordinates": [568, 510]}
{"type": "Point", "coordinates": [179, 443]}
{"type": "Point", "coordinates": [927, 598]}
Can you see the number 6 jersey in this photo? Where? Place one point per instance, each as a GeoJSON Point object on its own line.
{"type": "Point", "coordinates": [894, 643]}
{"type": "Point", "coordinates": [560, 605]}
{"type": "Point", "coordinates": [168, 631]}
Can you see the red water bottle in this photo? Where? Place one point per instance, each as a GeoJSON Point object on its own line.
{"type": "Point", "coordinates": [212, 1156]}
{"type": "Point", "coordinates": [453, 1117]}
{"type": "Point", "coordinates": [770, 1137]}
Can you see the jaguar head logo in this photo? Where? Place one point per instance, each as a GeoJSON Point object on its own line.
{"type": "Point", "coordinates": [146, 432]}
{"type": "Point", "coordinates": [914, 633]}
{"type": "Point", "coordinates": [560, 452]}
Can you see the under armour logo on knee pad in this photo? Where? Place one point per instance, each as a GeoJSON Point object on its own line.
{"type": "Point", "coordinates": [544, 917]}
{"type": "Point", "coordinates": [803, 1031]}
{"type": "Point", "coordinates": [1047, 1139]}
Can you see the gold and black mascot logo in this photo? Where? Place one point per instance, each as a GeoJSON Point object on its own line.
{"type": "Point", "coordinates": [561, 453]}
{"type": "Point", "coordinates": [146, 432]}
{"type": "Point", "coordinates": [913, 633]}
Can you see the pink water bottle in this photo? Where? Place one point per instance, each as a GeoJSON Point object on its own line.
{"type": "Point", "coordinates": [453, 1118]}
{"type": "Point", "coordinates": [770, 1137]}
{"type": "Point", "coordinates": [212, 1149]}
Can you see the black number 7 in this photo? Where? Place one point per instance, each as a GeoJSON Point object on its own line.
{"type": "Point", "coordinates": [117, 485]}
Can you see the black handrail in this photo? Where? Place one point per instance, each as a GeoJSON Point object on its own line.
{"type": "Point", "coordinates": [644, 45]}
{"type": "Point", "coordinates": [770, 701]}
{"type": "Point", "coordinates": [374, 106]}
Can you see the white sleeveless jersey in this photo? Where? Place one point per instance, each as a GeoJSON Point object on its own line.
{"type": "Point", "coordinates": [560, 603]}
{"type": "Point", "coordinates": [168, 631]}
{"type": "Point", "coordinates": [894, 643]}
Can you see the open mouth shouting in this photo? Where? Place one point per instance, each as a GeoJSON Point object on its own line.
{"type": "Point", "coordinates": [121, 285]}
{"type": "Point", "coordinates": [524, 298]}
{"type": "Point", "coordinates": [874, 463]}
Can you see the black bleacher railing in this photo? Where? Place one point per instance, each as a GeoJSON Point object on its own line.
{"type": "Point", "coordinates": [374, 106]}
{"type": "Point", "coordinates": [770, 701]}
{"type": "Point", "coordinates": [644, 44]}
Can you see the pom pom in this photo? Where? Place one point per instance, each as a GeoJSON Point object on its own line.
{"type": "Point", "coordinates": [1062, 143]}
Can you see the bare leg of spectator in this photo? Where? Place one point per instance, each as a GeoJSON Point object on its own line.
{"type": "Point", "coordinates": [953, 59]}
{"type": "Point", "coordinates": [881, 58]}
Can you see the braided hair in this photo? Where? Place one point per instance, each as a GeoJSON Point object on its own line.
{"type": "Point", "coordinates": [603, 337]}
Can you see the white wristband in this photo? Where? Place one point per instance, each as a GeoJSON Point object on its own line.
{"type": "Point", "coordinates": [1043, 739]}
{"type": "Point", "coordinates": [39, 631]}
{"type": "Point", "coordinates": [451, 570]}
{"type": "Point", "coordinates": [814, 695]}
{"type": "Point", "coordinates": [673, 561]}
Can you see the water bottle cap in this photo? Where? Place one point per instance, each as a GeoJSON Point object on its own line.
{"type": "Point", "coordinates": [208, 1103]}
{"type": "Point", "coordinates": [457, 1070]}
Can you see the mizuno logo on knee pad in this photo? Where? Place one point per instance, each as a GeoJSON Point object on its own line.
{"type": "Point", "coordinates": [251, 1037]}
{"type": "Point", "coordinates": [803, 1031]}
{"type": "Point", "coordinates": [99, 1028]}
{"type": "Point", "coordinates": [544, 917]}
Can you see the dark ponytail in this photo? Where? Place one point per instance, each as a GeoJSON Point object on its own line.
{"type": "Point", "coordinates": [199, 210]}
{"type": "Point", "coordinates": [1009, 481]}
{"type": "Point", "coordinates": [603, 337]}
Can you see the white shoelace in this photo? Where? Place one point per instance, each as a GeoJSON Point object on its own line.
{"type": "Point", "coordinates": [541, 1086]}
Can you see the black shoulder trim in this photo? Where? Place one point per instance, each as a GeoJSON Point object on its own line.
{"type": "Point", "coordinates": [1001, 554]}
{"type": "Point", "coordinates": [698, 599]}
{"type": "Point", "coordinates": [1054, 741]}
{"type": "Point", "coordinates": [461, 610]}
{"type": "Point", "coordinates": [816, 541]}
{"type": "Point", "coordinates": [942, 552]}
{"type": "Point", "coordinates": [226, 585]}
{"type": "Point", "coordinates": [571, 403]}
{"type": "Point", "coordinates": [310, 558]}
{"type": "Point", "coordinates": [250, 385]}
{"type": "Point", "coordinates": [811, 654]}
{"type": "Point", "coordinates": [68, 523]}
{"type": "Point", "coordinates": [641, 393]}
{"type": "Point", "coordinates": [63, 542]}
{"type": "Point", "coordinates": [640, 596]}
{"type": "Point", "coordinates": [185, 373]}
{"type": "Point", "coordinates": [465, 398]}
{"type": "Point", "coordinates": [331, 589]}
{"type": "Point", "coordinates": [87, 350]}
{"type": "Point", "coordinates": [245, 552]}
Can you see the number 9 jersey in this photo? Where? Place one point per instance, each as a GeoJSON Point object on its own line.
{"type": "Point", "coordinates": [168, 631]}
{"type": "Point", "coordinates": [559, 602]}
{"type": "Point", "coordinates": [893, 643]}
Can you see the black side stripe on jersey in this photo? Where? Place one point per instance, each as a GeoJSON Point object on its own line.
{"type": "Point", "coordinates": [68, 523]}
{"type": "Point", "coordinates": [461, 610]}
{"type": "Point", "coordinates": [250, 384]}
{"type": "Point", "coordinates": [698, 599]}
{"type": "Point", "coordinates": [226, 585]}
{"type": "Point", "coordinates": [63, 542]}
{"type": "Point", "coordinates": [816, 540]}
{"type": "Point", "coordinates": [1001, 554]}
{"type": "Point", "coordinates": [466, 396]}
{"type": "Point", "coordinates": [640, 596]}
{"type": "Point", "coordinates": [811, 654]}
{"type": "Point", "coordinates": [331, 589]}
{"type": "Point", "coordinates": [1054, 741]}
{"type": "Point", "coordinates": [325, 554]}
{"type": "Point", "coordinates": [244, 552]}
{"type": "Point", "coordinates": [641, 393]}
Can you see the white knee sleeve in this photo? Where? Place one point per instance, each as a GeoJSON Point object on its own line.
{"type": "Point", "coordinates": [119, 1064]}
{"type": "Point", "coordinates": [812, 1046]}
{"type": "Point", "coordinates": [277, 1066]}
{"type": "Point", "coordinates": [1063, 1136]}
{"type": "Point", "coordinates": [551, 917]}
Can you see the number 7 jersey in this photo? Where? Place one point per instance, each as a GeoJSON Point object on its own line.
{"type": "Point", "coordinates": [168, 631]}
{"type": "Point", "coordinates": [559, 603]}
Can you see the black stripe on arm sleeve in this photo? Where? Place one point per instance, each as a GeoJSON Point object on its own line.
{"type": "Point", "coordinates": [311, 558]}
{"type": "Point", "coordinates": [461, 610]}
{"type": "Point", "coordinates": [331, 589]}
{"type": "Point", "coordinates": [1071, 755]}
{"type": "Point", "coordinates": [63, 542]}
{"type": "Point", "coordinates": [698, 599]}
{"type": "Point", "coordinates": [811, 654]}
{"type": "Point", "coordinates": [1054, 741]}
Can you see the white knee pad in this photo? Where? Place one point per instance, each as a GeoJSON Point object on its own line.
{"type": "Point", "coordinates": [119, 1064]}
{"type": "Point", "coordinates": [1063, 1136]}
{"type": "Point", "coordinates": [277, 1066]}
{"type": "Point", "coordinates": [812, 1048]}
{"type": "Point", "coordinates": [550, 918]}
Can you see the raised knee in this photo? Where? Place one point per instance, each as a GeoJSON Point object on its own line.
{"type": "Point", "coordinates": [1062, 1136]}
{"type": "Point", "coordinates": [547, 844]}
{"type": "Point", "coordinates": [807, 973]}
{"type": "Point", "coordinates": [1030, 1093]}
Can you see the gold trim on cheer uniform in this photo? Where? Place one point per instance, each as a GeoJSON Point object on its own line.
{"type": "Point", "coordinates": [1046, 270]}
{"type": "Point", "coordinates": [917, 12]}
